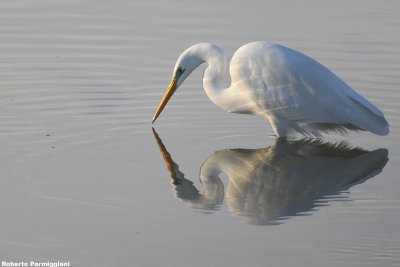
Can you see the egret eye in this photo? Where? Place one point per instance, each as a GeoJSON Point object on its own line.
{"type": "Point", "coordinates": [179, 72]}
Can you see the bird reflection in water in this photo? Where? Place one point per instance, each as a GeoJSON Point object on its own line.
{"type": "Point", "coordinates": [270, 184]}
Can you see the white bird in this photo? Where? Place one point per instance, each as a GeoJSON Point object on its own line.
{"type": "Point", "coordinates": [289, 89]}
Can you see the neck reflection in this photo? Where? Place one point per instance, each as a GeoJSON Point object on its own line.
{"type": "Point", "coordinates": [270, 184]}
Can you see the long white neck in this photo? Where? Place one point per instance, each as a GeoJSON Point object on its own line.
{"type": "Point", "coordinates": [214, 74]}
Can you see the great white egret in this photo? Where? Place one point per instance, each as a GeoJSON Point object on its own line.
{"type": "Point", "coordinates": [268, 184]}
{"type": "Point", "coordinates": [291, 90]}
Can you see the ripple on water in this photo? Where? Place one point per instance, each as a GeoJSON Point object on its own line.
{"type": "Point", "coordinates": [67, 77]}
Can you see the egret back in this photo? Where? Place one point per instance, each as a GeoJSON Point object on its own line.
{"type": "Point", "coordinates": [296, 93]}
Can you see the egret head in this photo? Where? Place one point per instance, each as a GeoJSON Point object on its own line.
{"type": "Point", "coordinates": [186, 63]}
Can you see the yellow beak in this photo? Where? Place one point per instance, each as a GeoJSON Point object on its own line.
{"type": "Point", "coordinates": [170, 91]}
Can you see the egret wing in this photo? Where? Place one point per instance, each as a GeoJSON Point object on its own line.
{"type": "Point", "coordinates": [288, 85]}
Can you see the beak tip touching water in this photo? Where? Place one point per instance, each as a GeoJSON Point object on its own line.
{"type": "Point", "coordinates": [170, 91]}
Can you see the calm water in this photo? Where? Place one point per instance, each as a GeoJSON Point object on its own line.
{"type": "Point", "coordinates": [85, 179]}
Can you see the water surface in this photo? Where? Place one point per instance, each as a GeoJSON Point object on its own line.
{"type": "Point", "coordinates": [85, 179]}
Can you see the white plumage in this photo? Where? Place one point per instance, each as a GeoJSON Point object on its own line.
{"type": "Point", "coordinates": [291, 90]}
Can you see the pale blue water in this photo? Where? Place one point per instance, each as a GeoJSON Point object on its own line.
{"type": "Point", "coordinates": [84, 179]}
